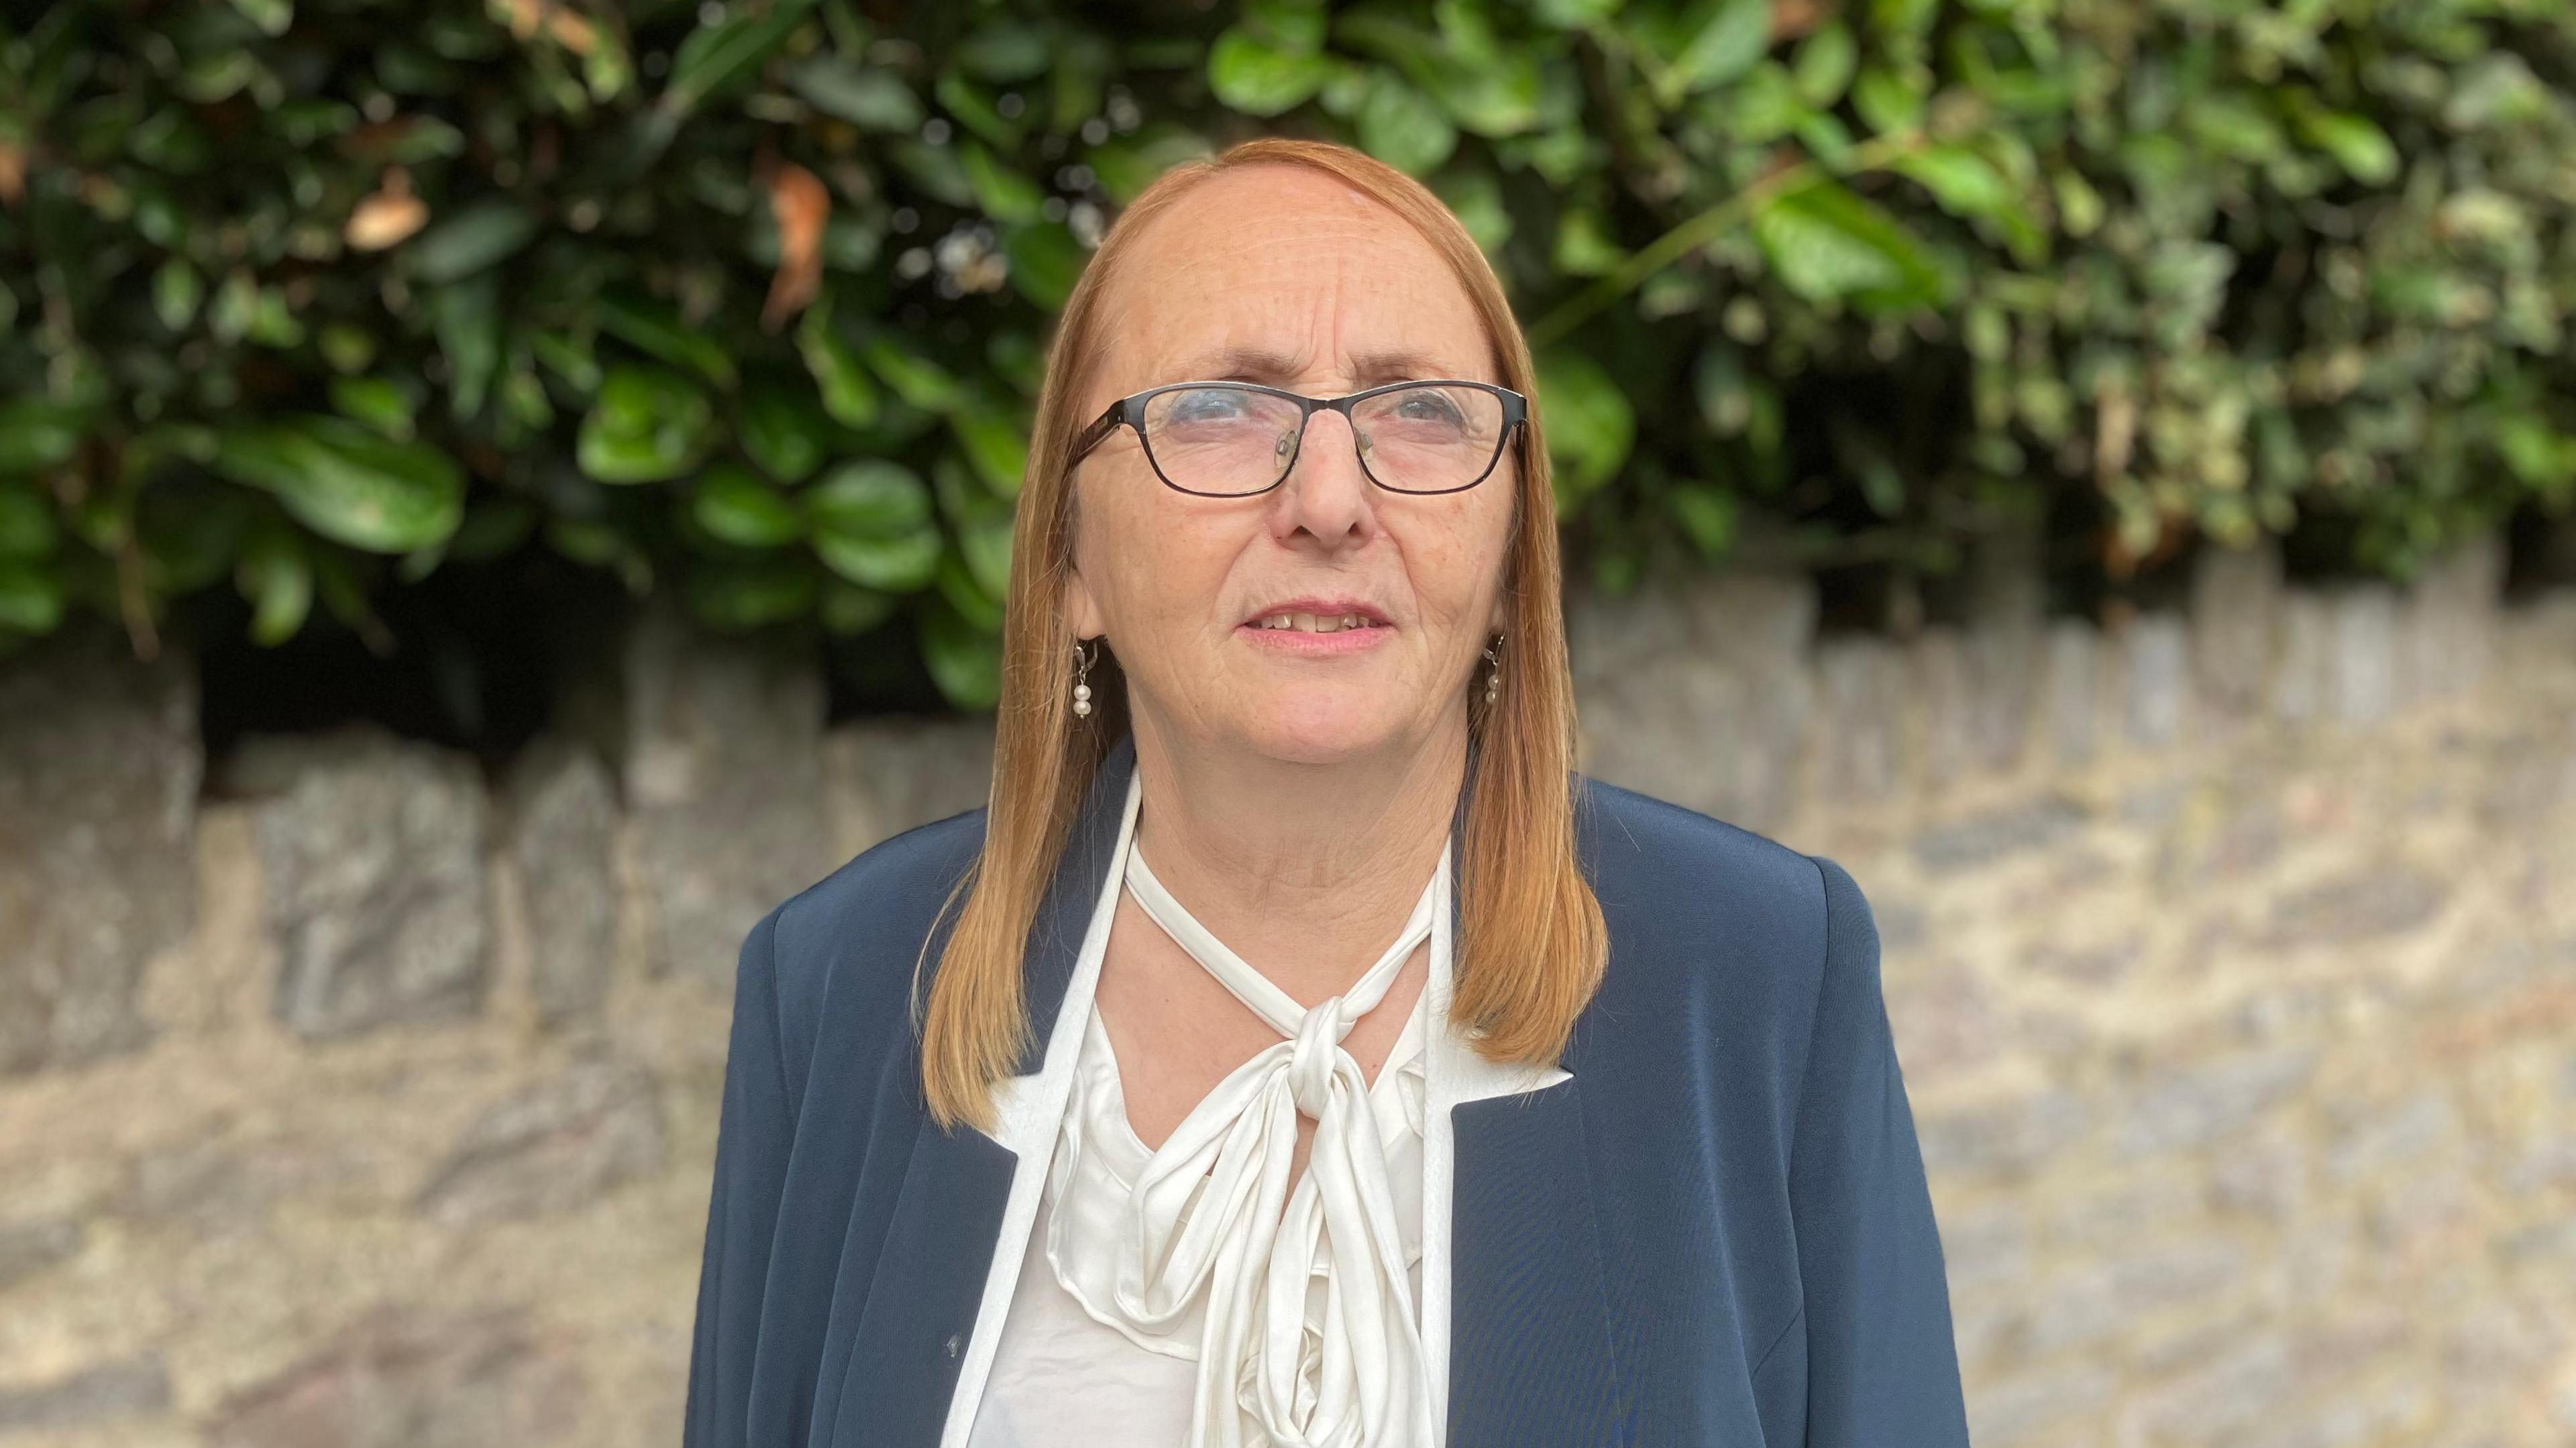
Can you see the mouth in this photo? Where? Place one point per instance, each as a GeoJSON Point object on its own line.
{"type": "Point", "coordinates": [1317, 627]}
{"type": "Point", "coordinates": [1317, 615]}
{"type": "Point", "coordinates": [1313, 623]}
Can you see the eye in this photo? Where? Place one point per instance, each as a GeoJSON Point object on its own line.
{"type": "Point", "coordinates": [1207, 404]}
{"type": "Point", "coordinates": [1428, 404]}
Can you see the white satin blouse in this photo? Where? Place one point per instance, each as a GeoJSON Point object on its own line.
{"type": "Point", "coordinates": [1192, 1296]}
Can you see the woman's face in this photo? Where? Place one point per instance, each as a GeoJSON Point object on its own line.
{"type": "Point", "coordinates": [1285, 276]}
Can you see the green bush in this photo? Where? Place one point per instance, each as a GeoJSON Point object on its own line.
{"type": "Point", "coordinates": [310, 298]}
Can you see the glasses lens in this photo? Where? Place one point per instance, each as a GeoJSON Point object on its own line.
{"type": "Point", "coordinates": [1430, 438]}
{"type": "Point", "coordinates": [1221, 439]}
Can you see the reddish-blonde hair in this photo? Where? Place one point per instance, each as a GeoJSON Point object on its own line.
{"type": "Point", "coordinates": [1532, 942]}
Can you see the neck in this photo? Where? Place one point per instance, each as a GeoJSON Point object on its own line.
{"type": "Point", "coordinates": [1308, 870]}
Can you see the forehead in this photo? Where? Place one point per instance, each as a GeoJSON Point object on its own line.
{"type": "Point", "coordinates": [1276, 273]}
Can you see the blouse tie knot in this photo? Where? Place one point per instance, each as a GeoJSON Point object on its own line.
{"type": "Point", "coordinates": [1293, 1298]}
{"type": "Point", "coordinates": [1318, 1052]}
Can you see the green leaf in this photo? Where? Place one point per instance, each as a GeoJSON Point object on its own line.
{"type": "Point", "coordinates": [656, 329]}
{"type": "Point", "coordinates": [1403, 127]}
{"type": "Point", "coordinates": [1584, 247]}
{"type": "Point", "coordinates": [865, 96]}
{"type": "Point", "coordinates": [1006, 51]}
{"type": "Point", "coordinates": [964, 661]}
{"type": "Point", "coordinates": [915, 378]}
{"type": "Point", "coordinates": [1589, 422]}
{"type": "Point", "coordinates": [2355, 141]}
{"type": "Point", "coordinates": [849, 609]}
{"type": "Point", "coordinates": [1888, 100]}
{"type": "Point", "coordinates": [1005, 195]}
{"type": "Point", "coordinates": [1707, 515]}
{"type": "Point", "coordinates": [1719, 40]}
{"type": "Point", "coordinates": [271, 16]}
{"type": "Point", "coordinates": [849, 394]}
{"type": "Point", "coordinates": [469, 334]}
{"type": "Point", "coordinates": [492, 527]}
{"type": "Point", "coordinates": [1259, 78]}
{"type": "Point", "coordinates": [27, 527]}
{"type": "Point", "coordinates": [374, 401]}
{"type": "Point", "coordinates": [276, 574]}
{"type": "Point", "coordinates": [1824, 63]}
{"type": "Point", "coordinates": [349, 483]}
{"type": "Point", "coordinates": [784, 431]}
{"type": "Point", "coordinates": [31, 599]}
{"type": "Point", "coordinates": [176, 291]}
{"type": "Point", "coordinates": [874, 523]}
{"type": "Point", "coordinates": [716, 57]}
{"type": "Point", "coordinates": [1826, 244]}
{"type": "Point", "coordinates": [648, 425]}
{"type": "Point", "coordinates": [37, 433]}
{"type": "Point", "coordinates": [996, 443]}
{"type": "Point", "coordinates": [477, 237]}
{"type": "Point", "coordinates": [741, 507]}
{"type": "Point", "coordinates": [1046, 260]}
{"type": "Point", "coordinates": [957, 583]}
{"type": "Point", "coordinates": [740, 595]}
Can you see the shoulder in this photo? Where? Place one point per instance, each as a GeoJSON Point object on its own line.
{"type": "Point", "coordinates": [1737, 923]}
{"type": "Point", "coordinates": [1698, 870]}
{"type": "Point", "coordinates": [850, 940]}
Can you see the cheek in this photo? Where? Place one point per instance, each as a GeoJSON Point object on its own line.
{"type": "Point", "coordinates": [1153, 565]}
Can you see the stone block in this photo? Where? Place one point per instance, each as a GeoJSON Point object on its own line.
{"type": "Point", "coordinates": [372, 849]}
{"type": "Point", "coordinates": [2191, 1106]}
{"type": "Point", "coordinates": [724, 784]}
{"type": "Point", "coordinates": [100, 765]}
{"type": "Point", "coordinates": [29, 1247]}
{"type": "Point", "coordinates": [88, 1397]}
{"type": "Point", "coordinates": [2071, 697]}
{"type": "Point", "coordinates": [888, 775]}
{"type": "Point", "coordinates": [404, 1376]}
{"type": "Point", "coordinates": [2371, 902]}
{"type": "Point", "coordinates": [551, 1146]}
{"type": "Point", "coordinates": [2361, 656]}
{"type": "Point", "coordinates": [2003, 1138]}
{"type": "Point", "coordinates": [562, 823]}
{"type": "Point", "coordinates": [2004, 666]}
{"type": "Point", "coordinates": [211, 1189]}
{"type": "Point", "coordinates": [2235, 625]}
{"type": "Point", "coordinates": [2155, 679]}
{"type": "Point", "coordinates": [2302, 661]}
{"type": "Point", "coordinates": [1860, 698]}
{"type": "Point", "coordinates": [1983, 839]}
{"type": "Point", "coordinates": [2040, 1405]}
{"type": "Point", "coordinates": [1697, 691]}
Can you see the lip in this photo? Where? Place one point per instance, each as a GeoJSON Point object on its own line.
{"type": "Point", "coordinates": [1319, 604]}
{"type": "Point", "coordinates": [1334, 644]}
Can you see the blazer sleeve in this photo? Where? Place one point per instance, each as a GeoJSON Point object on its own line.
{"type": "Point", "coordinates": [754, 1130]}
{"type": "Point", "coordinates": [1882, 1364]}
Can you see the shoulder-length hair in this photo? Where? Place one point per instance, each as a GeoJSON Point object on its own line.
{"type": "Point", "coordinates": [1532, 941]}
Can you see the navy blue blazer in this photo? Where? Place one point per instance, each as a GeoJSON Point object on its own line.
{"type": "Point", "coordinates": [1717, 1232]}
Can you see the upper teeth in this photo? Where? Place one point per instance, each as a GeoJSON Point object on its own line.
{"type": "Point", "coordinates": [1313, 623]}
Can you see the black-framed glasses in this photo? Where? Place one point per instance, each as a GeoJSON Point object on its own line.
{"type": "Point", "coordinates": [1235, 439]}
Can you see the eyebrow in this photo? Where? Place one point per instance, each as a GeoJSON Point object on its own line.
{"type": "Point", "coordinates": [1262, 364]}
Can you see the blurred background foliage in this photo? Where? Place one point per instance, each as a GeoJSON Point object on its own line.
{"type": "Point", "coordinates": [305, 303]}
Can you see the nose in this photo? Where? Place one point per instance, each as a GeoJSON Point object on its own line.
{"type": "Point", "coordinates": [1326, 493]}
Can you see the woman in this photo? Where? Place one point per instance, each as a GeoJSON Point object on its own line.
{"type": "Point", "coordinates": [1296, 1048]}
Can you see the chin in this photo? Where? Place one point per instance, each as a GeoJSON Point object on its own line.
{"type": "Point", "coordinates": [1320, 736]}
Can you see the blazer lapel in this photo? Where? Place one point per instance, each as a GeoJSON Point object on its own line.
{"type": "Point", "coordinates": [1527, 1314]}
{"type": "Point", "coordinates": [921, 1309]}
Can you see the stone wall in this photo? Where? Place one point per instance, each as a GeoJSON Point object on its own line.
{"type": "Point", "coordinates": [349, 1095]}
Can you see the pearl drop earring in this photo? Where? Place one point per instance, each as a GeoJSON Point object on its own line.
{"type": "Point", "coordinates": [1493, 678]}
{"type": "Point", "coordinates": [1081, 674]}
